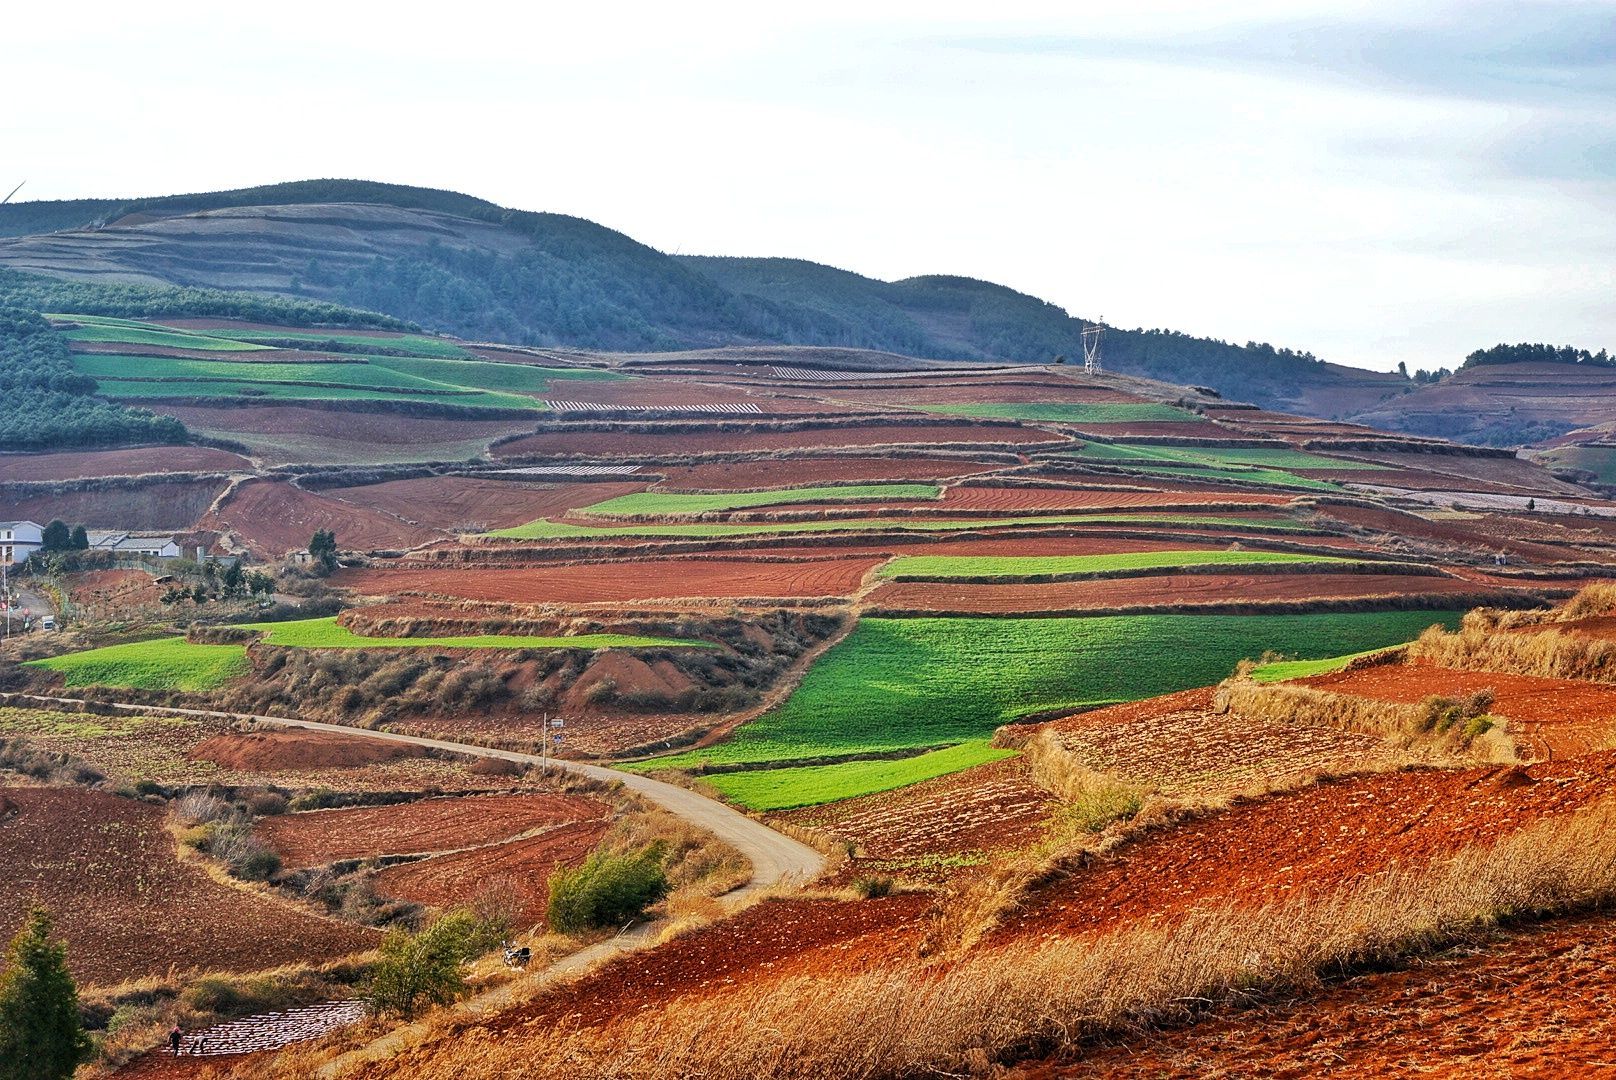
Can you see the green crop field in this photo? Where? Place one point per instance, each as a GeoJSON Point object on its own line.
{"type": "Point", "coordinates": [668, 504]}
{"type": "Point", "coordinates": [161, 664]}
{"type": "Point", "coordinates": [945, 567]}
{"type": "Point", "coordinates": [1213, 457]}
{"type": "Point", "coordinates": [178, 339]}
{"type": "Point", "coordinates": [221, 388]}
{"type": "Point", "coordinates": [327, 634]}
{"type": "Point", "coordinates": [1093, 412]}
{"type": "Point", "coordinates": [896, 684]}
{"type": "Point", "coordinates": [810, 785]}
{"type": "Point", "coordinates": [410, 343]}
{"type": "Point", "coordinates": [487, 375]}
{"type": "Point", "coordinates": [1301, 669]}
{"type": "Point", "coordinates": [560, 530]}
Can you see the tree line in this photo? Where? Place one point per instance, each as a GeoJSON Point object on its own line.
{"type": "Point", "coordinates": [1538, 353]}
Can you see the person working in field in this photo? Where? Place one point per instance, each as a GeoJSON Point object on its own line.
{"type": "Point", "coordinates": [174, 1039]}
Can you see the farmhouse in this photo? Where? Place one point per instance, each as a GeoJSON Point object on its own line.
{"type": "Point", "coordinates": [163, 547]}
{"type": "Point", "coordinates": [18, 540]}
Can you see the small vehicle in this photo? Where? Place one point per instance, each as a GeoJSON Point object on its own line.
{"type": "Point", "coordinates": [517, 958]}
{"type": "Point", "coordinates": [47, 622]}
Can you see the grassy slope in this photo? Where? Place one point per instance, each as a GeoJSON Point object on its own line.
{"type": "Point", "coordinates": [327, 634]}
{"type": "Point", "coordinates": [895, 684]}
{"type": "Point", "coordinates": [676, 505]}
{"type": "Point", "coordinates": [782, 789]}
{"type": "Point", "coordinates": [931, 567]}
{"type": "Point", "coordinates": [161, 664]}
{"type": "Point", "coordinates": [138, 335]}
{"type": "Point", "coordinates": [1301, 669]}
{"type": "Point", "coordinates": [555, 530]}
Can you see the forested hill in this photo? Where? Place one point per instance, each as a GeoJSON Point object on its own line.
{"type": "Point", "coordinates": [462, 265]}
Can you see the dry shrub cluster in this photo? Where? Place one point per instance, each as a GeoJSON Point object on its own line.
{"type": "Point", "coordinates": [1489, 640]}
{"type": "Point", "coordinates": [1037, 998]}
{"type": "Point", "coordinates": [1438, 727]}
{"type": "Point", "coordinates": [1090, 800]}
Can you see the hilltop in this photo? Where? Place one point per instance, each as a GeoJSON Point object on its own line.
{"type": "Point", "coordinates": [462, 265]}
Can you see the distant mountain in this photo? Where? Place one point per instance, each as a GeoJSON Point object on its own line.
{"type": "Point", "coordinates": [1498, 403]}
{"type": "Point", "coordinates": [466, 266]}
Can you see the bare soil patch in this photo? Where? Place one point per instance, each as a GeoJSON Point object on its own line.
{"type": "Point", "coordinates": [272, 517]}
{"type": "Point", "coordinates": [796, 471]}
{"type": "Point", "coordinates": [173, 506]}
{"type": "Point", "coordinates": [272, 751]}
{"type": "Point", "coordinates": [137, 462]}
{"type": "Point", "coordinates": [643, 443]}
{"type": "Point", "coordinates": [461, 504]}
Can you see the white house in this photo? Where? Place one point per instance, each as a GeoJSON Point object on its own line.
{"type": "Point", "coordinates": [163, 547]}
{"type": "Point", "coordinates": [18, 540]}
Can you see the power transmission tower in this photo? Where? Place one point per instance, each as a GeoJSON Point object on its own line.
{"type": "Point", "coordinates": [1091, 346]}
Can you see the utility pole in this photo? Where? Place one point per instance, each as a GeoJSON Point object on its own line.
{"type": "Point", "coordinates": [1091, 346]}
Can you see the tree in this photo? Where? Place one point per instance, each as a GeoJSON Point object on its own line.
{"type": "Point", "coordinates": [56, 536]}
{"type": "Point", "coordinates": [234, 579]}
{"type": "Point", "coordinates": [80, 540]}
{"type": "Point", "coordinates": [41, 1037]}
{"type": "Point", "coordinates": [1402, 368]}
{"type": "Point", "coordinates": [427, 968]}
{"type": "Point", "coordinates": [260, 584]}
{"type": "Point", "coordinates": [323, 547]}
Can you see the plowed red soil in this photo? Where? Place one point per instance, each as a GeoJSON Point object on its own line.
{"type": "Point", "coordinates": [1179, 746]}
{"type": "Point", "coordinates": [173, 506]}
{"type": "Point", "coordinates": [106, 593]}
{"type": "Point", "coordinates": [1168, 590]}
{"type": "Point", "coordinates": [620, 581]}
{"type": "Point", "coordinates": [1466, 535]}
{"type": "Point", "coordinates": [636, 443]}
{"type": "Point", "coordinates": [273, 517]}
{"type": "Point", "coordinates": [963, 496]}
{"type": "Point", "coordinates": [1549, 717]}
{"type": "Point", "coordinates": [472, 504]}
{"type": "Point", "coordinates": [316, 837]}
{"type": "Point", "coordinates": [1534, 1001]}
{"type": "Point", "coordinates": [106, 868]}
{"type": "Point", "coordinates": [1017, 390]}
{"type": "Point", "coordinates": [267, 751]}
{"type": "Point", "coordinates": [777, 472]}
{"type": "Point", "coordinates": [1316, 838]}
{"type": "Point", "coordinates": [150, 459]}
{"type": "Point", "coordinates": [524, 865]}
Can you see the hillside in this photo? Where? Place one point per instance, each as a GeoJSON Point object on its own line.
{"type": "Point", "coordinates": [1503, 404]}
{"type": "Point", "coordinates": [461, 265]}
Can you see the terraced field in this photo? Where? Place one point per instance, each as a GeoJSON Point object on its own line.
{"type": "Point", "coordinates": [675, 505]}
{"type": "Point", "coordinates": [1053, 568]}
{"type": "Point", "coordinates": [558, 530]}
{"type": "Point", "coordinates": [328, 634]}
{"type": "Point", "coordinates": [160, 664]}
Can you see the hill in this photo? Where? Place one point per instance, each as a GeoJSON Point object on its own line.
{"type": "Point", "coordinates": [1502, 404]}
{"type": "Point", "coordinates": [465, 266]}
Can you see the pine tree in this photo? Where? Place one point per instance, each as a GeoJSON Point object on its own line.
{"type": "Point", "coordinates": [41, 1037]}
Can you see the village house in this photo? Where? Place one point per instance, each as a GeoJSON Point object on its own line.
{"type": "Point", "coordinates": [18, 540]}
{"type": "Point", "coordinates": [123, 543]}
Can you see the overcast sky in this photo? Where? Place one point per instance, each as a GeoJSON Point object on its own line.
{"type": "Point", "coordinates": [1375, 182]}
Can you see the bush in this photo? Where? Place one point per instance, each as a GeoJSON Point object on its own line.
{"type": "Point", "coordinates": [41, 1036]}
{"type": "Point", "coordinates": [423, 969]}
{"type": "Point", "coordinates": [607, 890]}
{"type": "Point", "coordinates": [873, 887]}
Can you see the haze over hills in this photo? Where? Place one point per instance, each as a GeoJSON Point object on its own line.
{"type": "Point", "coordinates": [462, 265]}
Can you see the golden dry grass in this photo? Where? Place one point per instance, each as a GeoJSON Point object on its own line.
{"type": "Point", "coordinates": [1037, 998]}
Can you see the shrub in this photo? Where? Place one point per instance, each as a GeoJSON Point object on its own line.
{"type": "Point", "coordinates": [607, 890]}
{"type": "Point", "coordinates": [41, 1035]}
{"type": "Point", "coordinates": [873, 887]}
{"type": "Point", "coordinates": [423, 969]}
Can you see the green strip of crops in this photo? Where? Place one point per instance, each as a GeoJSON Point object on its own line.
{"type": "Point", "coordinates": [559, 530]}
{"type": "Point", "coordinates": [676, 505]}
{"type": "Point", "coordinates": [1282, 670]}
{"type": "Point", "coordinates": [1214, 457]}
{"type": "Point", "coordinates": [942, 567]}
{"type": "Point", "coordinates": [161, 664]}
{"type": "Point", "coordinates": [810, 785]}
{"type": "Point", "coordinates": [327, 634]}
{"type": "Point", "coordinates": [896, 684]}
{"type": "Point", "coordinates": [410, 343]}
{"type": "Point", "coordinates": [1094, 412]}
{"type": "Point", "coordinates": [133, 335]}
{"type": "Point", "coordinates": [291, 391]}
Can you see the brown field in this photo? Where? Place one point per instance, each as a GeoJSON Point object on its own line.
{"type": "Point", "coordinates": [137, 462]}
{"type": "Point", "coordinates": [285, 434]}
{"type": "Point", "coordinates": [446, 880]}
{"type": "Point", "coordinates": [1014, 389]}
{"type": "Point", "coordinates": [273, 517]}
{"type": "Point", "coordinates": [1548, 717]}
{"type": "Point", "coordinates": [620, 581]}
{"type": "Point", "coordinates": [1172, 429]}
{"type": "Point", "coordinates": [636, 443]}
{"type": "Point", "coordinates": [316, 837]}
{"type": "Point", "coordinates": [475, 504]}
{"type": "Point", "coordinates": [829, 469]}
{"type": "Point", "coordinates": [1180, 747]}
{"type": "Point", "coordinates": [127, 907]}
{"type": "Point", "coordinates": [295, 751]}
{"type": "Point", "coordinates": [1164, 591]}
{"type": "Point", "coordinates": [1314, 839]}
{"type": "Point", "coordinates": [1532, 1001]}
{"type": "Point", "coordinates": [174, 506]}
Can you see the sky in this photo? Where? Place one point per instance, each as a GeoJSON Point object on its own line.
{"type": "Point", "coordinates": [1374, 182]}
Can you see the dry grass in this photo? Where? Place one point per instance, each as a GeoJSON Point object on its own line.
{"type": "Point", "coordinates": [1485, 642]}
{"type": "Point", "coordinates": [1038, 998]}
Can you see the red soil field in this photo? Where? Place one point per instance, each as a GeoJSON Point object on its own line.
{"type": "Point", "coordinates": [101, 593]}
{"type": "Point", "coordinates": [127, 907]}
{"type": "Point", "coordinates": [316, 837]}
{"type": "Point", "coordinates": [1316, 838]}
{"type": "Point", "coordinates": [273, 517]}
{"type": "Point", "coordinates": [1467, 535]}
{"type": "Point", "coordinates": [268, 751]}
{"type": "Point", "coordinates": [524, 865]}
{"type": "Point", "coordinates": [1550, 717]}
{"type": "Point", "coordinates": [620, 581]}
{"type": "Point", "coordinates": [918, 544]}
{"type": "Point", "coordinates": [966, 496]}
{"type": "Point", "coordinates": [1532, 1001]}
{"type": "Point", "coordinates": [172, 506]}
{"type": "Point", "coordinates": [385, 429]}
{"type": "Point", "coordinates": [1014, 390]}
{"type": "Point", "coordinates": [636, 443]}
{"type": "Point", "coordinates": [786, 472]}
{"type": "Point", "coordinates": [139, 462]}
{"type": "Point", "coordinates": [1167, 590]}
{"type": "Point", "coordinates": [475, 504]}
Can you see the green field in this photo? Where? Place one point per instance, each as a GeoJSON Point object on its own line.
{"type": "Point", "coordinates": [1213, 457]}
{"type": "Point", "coordinates": [945, 567]}
{"type": "Point", "coordinates": [668, 504]}
{"type": "Point", "coordinates": [1301, 669]}
{"type": "Point", "coordinates": [1599, 460]}
{"type": "Point", "coordinates": [1093, 412]}
{"type": "Point", "coordinates": [896, 684]}
{"type": "Point", "coordinates": [782, 789]}
{"type": "Point", "coordinates": [409, 343]}
{"type": "Point", "coordinates": [327, 634]}
{"type": "Point", "coordinates": [161, 664]}
{"type": "Point", "coordinates": [132, 389]}
{"type": "Point", "coordinates": [487, 375]}
{"type": "Point", "coordinates": [178, 339]}
{"type": "Point", "coordinates": [560, 530]}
